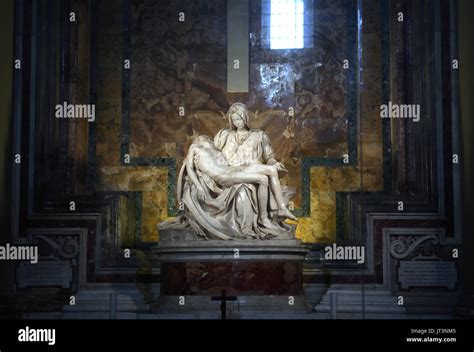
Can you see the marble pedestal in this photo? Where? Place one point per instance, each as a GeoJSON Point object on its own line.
{"type": "Point", "coordinates": [265, 276]}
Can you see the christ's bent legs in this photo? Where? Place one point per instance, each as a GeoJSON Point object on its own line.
{"type": "Point", "coordinates": [275, 186]}
{"type": "Point", "coordinates": [262, 192]}
{"type": "Point", "coordinates": [262, 195]}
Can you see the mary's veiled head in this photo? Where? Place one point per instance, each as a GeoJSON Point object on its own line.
{"type": "Point", "coordinates": [238, 116]}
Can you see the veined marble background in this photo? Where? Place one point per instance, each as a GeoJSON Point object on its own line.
{"type": "Point", "coordinates": [176, 64]}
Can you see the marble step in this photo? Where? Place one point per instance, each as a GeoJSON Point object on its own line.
{"type": "Point", "coordinates": [98, 300]}
{"type": "Point", "coordinates": [358, 300]}
{"type": "Point", "coordinates": [353, 287]}
{"type": "Point", "coordinates": [355, 308]}
{"type": "Point", "coordinates": [105, 294]}
{"type": "Point", "coordinates": [356, 296]}
{"type": "Point", "coordinates": [78, 315]}
{"type": "Point", "coordinates": [381, 316]}
{"type": "Point", "coordinates": [216, 316]}
{"type": "Point", "coordinates": [105, 307]}
{"type": "Point", "coordinates": [170, 304]}
{"type": "Point", "coordinates": [98, 315]}
{"type": "Point", "coordinates": [367, 316]}
{"type": "Point", "coordinates": [191, 316]}
{"type": "Point", "coordinates": [346, 292]}
{"type": "Point", "coordinates": [377, 303]}
{"type": "Point", "coordinates": [230, 315]}
{"type": "Point", "coordinates": [106, 298]}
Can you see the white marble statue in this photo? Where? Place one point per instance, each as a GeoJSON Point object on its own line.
{"type": "Point", "coordinates": [230, 187]}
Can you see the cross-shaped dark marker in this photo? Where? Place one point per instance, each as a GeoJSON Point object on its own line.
{"type": "Point", "coordinates": [223, 298]}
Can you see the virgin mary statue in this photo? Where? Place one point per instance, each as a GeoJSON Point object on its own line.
{"type": "Point", "coordinates": [237, 211]}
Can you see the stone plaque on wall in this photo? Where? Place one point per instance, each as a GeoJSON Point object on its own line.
{"type": "Point", "coordinates": [47, 273]}
{"type": "Point", "coordinates": [427, 274]}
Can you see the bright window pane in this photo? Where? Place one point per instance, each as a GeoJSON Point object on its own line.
{"type": "Point", "coordinates": [286, 24]}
